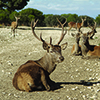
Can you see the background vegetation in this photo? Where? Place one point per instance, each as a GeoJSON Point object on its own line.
{"type": "Point", "coordinates": [10, 7]}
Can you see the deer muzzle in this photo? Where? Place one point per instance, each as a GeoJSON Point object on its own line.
{"type": "Point", "coordinates": [61, 58]}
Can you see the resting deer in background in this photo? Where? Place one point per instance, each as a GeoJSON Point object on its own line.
{"type": "Point", "coordinates": [76, 49]}
{"type": "Point", "coordinates": [14, 25]}
{"type": "Point", "coordinates": [89, 51]}
{"type": "Point", "coordinates": [34, 74]}
{"type": "Point", "coordinates": [76, 25]}
{"type": "Point", "coordinates": [92, 33]}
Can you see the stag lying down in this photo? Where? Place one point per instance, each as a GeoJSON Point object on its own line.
{"type": "Point", "coordinates": [34, 74]}
{"type": "Point", "coordinates": [84, 47]}
{"type": "Point", "coordinates": [89, 51]}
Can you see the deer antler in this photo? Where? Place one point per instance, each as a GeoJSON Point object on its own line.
{"type": "Point", "coordinates": [85, 18]}
{"type": "Point", "coordinates": [33, 27]}
{"type": "Point", "coordinates": [95, 24]}
{"type": "Point", "coordinates": [63, 34]}
{"type": "Point", "coordinates": [89, 25]}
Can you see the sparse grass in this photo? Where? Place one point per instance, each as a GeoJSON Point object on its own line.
{"type": "Point", "coordinates": [96, 37]}
{"type": "Point", "coordinates": [99, 44]}
{"type": "Point", "coordinates": [14, 51]}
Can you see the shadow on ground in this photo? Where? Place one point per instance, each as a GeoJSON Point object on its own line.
{"type": "Point", "coordinates": [57, 85]}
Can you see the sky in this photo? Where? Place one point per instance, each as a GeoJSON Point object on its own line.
{"type": "Point", "coordinates": [80, 7]}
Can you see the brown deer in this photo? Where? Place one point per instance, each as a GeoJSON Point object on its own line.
{"type": "Point", "coordinates": [92, 33]}
{"type": "Point", "coordinates": [76, 49]}
{"type": "Point", "coordinates": [89, 51]}
{"type": "Point", "coordinates": [34, 74]}
{"type": "Point", "coordinates": [14, 25]}
{"type": "Point", "coordinates": [76, 25]}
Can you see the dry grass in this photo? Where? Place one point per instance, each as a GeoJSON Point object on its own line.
{"type": "Point", "coordinates": [16, 51]}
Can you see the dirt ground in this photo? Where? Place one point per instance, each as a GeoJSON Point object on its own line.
{"type": "Point", "coordinates": [14, 51]}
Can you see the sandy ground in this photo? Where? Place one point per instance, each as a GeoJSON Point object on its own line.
{"type": "Point", "coordinates": [68, 74]}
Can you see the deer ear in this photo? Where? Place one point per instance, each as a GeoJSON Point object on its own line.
{"type": "Point", "coordinates": [64, 46]}
{"type": "Point", "coordinates": [45, 46]}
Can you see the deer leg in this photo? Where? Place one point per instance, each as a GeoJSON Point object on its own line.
{"type": "Point", "coordinates": [77, 54]}
{"type": "Point", "coordinates": [14, 32]}
{"type": "Point", "coordinates": [85, 57]}
{"type": "Point", "coordinates": [27, 87]}
{"type": "Point", "coordinates": [69, 28]}
{"type": "Point", "coordinates": [44, 81]}
{"type": "Point", "coordinates": [11, 31]}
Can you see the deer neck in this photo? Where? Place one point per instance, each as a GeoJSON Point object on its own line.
{"type": "Point", "coordinates": [82, 23]}
{"type": "Point", "coordinates": [85, 47]}
{"type": "Point", "coordinates": [16, 21]}
{"type": "Point", "coordinates": [77, 45]}
{"type": "Point", "coordinates": [47, 63]}
{"type": "Point", "coordinates": [87, 44]}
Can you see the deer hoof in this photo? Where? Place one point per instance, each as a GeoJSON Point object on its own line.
{"type": "Point", "coordinates": [48, 88]}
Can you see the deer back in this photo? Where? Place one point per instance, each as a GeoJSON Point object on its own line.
{"type": "Point", "coordinates": [72, 24]}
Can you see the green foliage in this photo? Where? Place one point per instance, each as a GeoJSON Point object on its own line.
{"type": "Point", "coordinates": [89, 20]}
{"type": "Point", "coordinates": [72, 17]}
{"type": "Point", "coordinates": [4, 16]}
{"type": "Point", "coordinates": [28, 14]}
{"type": "Point", "coordinates": [44, 20]}
{"type": "Point", "coordinates": [11, 16]}
{"type": "Point", "coordinates": [46, 15]}
{"type": "Point", "coordinates": [52, 20]}
{"type": "Point", "coordinates": [13, 5]}
{"type": "Point", "coordinates": [31, 17]}
{"type": "Point", "coordinates": [96, 37]}
{"type": "Point", "coordinates": [99, 44]}
{"type": "Point", "coordinates": [98, 19]}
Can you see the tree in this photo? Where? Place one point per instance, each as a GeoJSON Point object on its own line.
{"type": "Point", "coordinates": [65, 15]}
{"type": "Point", "coordinates": [52, 20]}
{"type": "Point", "coordinates": [4, 16]}
{"type": "Point", "coordinates": [72, 17]}
{"type": "Point", "coordinates": [98, 19]}
{"type": "Point", "coordinates": [28, 14]}
{"type": "Point", "coordinates": [89, 20]}
{"type": "Point", "coordinates": [13, 5]}
{"type": "Point", "coordinates": [11, 16]}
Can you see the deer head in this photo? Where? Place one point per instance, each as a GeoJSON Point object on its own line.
{"type": "Point", "coordinates": [84, 38]}
{"type": "Point", "coordinates": [76, 36]}
{"type": "Point", "coordinates": [54, 51]}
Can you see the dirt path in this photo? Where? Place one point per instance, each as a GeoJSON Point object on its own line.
{"type": "Point", "coordinates": [67, 75]}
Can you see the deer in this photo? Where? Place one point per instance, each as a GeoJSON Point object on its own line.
{"type": "Point", "coordinates": [92, 33]}
{"type": "Point", "coordinates": [14, 24]}
{"type": "Point", "coordinates": [76, 25]}
{"type": "Point", "coordinates": [36, 73]}
{"type": "Point", "coordinates": [88, 50]}
{"type": "Point", "coordinates": [76, 48]}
